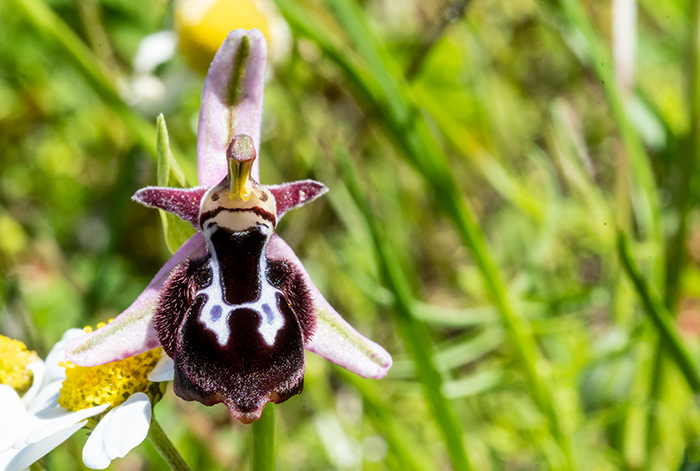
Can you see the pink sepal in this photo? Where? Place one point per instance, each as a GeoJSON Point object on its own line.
{"type": "Point", "coordinates": [183, 202]}
{"type": "Point", "coordinates": [232, 103]}
{"type": "Point", "coordinates": [132, 331]}
{"type": "Point", "coordinates": [291, 195]}
{"type": "Point", "coordinates": [334, 339]}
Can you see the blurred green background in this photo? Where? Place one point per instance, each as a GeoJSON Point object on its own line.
{"type": "Point", "coordinates": [482, 158]}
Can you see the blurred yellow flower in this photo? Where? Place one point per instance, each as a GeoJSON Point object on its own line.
{"type": "Point", "coordinates": [202, 25]}
{"type": "Point", "coordinates": [14, 358]}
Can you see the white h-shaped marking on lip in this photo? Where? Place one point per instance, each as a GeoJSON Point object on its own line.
{"type": "Point", "coordinates": [215, 312]}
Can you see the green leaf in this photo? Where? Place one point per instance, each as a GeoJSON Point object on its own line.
{"type": "Point", "coordinates": [175, 230]}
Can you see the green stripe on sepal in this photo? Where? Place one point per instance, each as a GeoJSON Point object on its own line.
{"type": "Point", "coordinates": [233, 92]}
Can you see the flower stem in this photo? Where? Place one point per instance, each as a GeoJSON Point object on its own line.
{"type": "Point", "coordinates": [263, 440]}
{"type": "Point", "coordinates": [165, 447]}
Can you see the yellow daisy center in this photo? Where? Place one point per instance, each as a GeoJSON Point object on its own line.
{"type": "Point", "coordinates": [14, 358]}
{"type": "Point", "coordinates": [111, 383]}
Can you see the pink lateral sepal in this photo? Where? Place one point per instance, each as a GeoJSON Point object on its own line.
{"type": "Point", "coordinates": [334, 339]}
{"type": "Point", "coordinates": [232, 103]}
{"type": "Point", "coordinates": [292, 195]}
{"type": "Point", "coordinates": [183, 202]}
{"type": "Point", "coordinates": [132, 332]}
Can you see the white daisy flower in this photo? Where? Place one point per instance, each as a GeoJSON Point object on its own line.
{"type": "Point", "coordinates": [113, 400]}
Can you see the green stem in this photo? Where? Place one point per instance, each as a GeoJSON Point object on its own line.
{"type": "Point", "coordinates": [165, 447]}
{"type": "Point", "coordinates": [263, 440]}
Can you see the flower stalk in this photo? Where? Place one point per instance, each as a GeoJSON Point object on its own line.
{"type": "Point", "coordinates": [165, 447]}
{"type": "Point", "coordinates": [263, 440]}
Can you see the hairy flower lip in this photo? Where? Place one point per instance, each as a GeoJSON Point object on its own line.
{"type": "Point", "coordinates": [231, 106]}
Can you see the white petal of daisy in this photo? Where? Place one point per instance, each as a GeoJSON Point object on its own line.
{"type": "Point", "coordinates": [164, 370]}
{"type": "Point", "coordinates": [11, 409]}
{"type": "Point", "coordinates": [46, 398]}
{"type": "Point", "coordinates": [53, 375]}
{"type": "Point", "coordinates": [119, 431]}
{"type": "Point", "coordinates": [29, 431]}
{"type": "Point", "coordinates": [10, 404]}
{"type": "Point", "coordinates": [38, 369]}
{"type": "Point", "coordinates": [52, 420]}
{"type": "Point", "coordinates": [55, 372]}
{"type": "Point", "coordinates": [18, 459]}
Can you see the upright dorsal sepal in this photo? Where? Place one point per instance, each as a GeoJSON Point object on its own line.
{"type": "Point", "coordinates": [240, 155]}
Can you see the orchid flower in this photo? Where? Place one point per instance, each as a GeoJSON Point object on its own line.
{"type": "Point", "coordinates": [234, 307]}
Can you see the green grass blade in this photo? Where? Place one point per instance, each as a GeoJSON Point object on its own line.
{"type": "Point", "coordinates": [687, 159]}
{"type": "Point", "coordinates": [502, 181]}
{"type": "Point", "coordinates": [383, 421]}
{"type": "Point", "coordinates": [415, 139]}
{"type": "Point", "coordinates": [659, 315]}
{"type": "Point", "coordinates": [644, 191]}
{"type": "Point", "coordinates": [413, 332]}
{"type": "Point", "coordinates": [425, 153]}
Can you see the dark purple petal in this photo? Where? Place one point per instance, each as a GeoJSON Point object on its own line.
{"type": "Point", "coordinates": [232, 102]}
{"type": "Point", "coordinates": [176, 299]}
{"type": "Point", "coordinates": [246, 373]}
{"type": "Point", "coordinates": [291, 195]}
{"type": "Point", "coordinates": [183, 202]}
{"type": "Point", "coordinates": [232, 345]}
{"type": "Point", "coordinates": [333, 338]}
{"type": "Point", "coordinates": [132, 332]}
{"type": "Point", "coordinates": [285, 278]}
